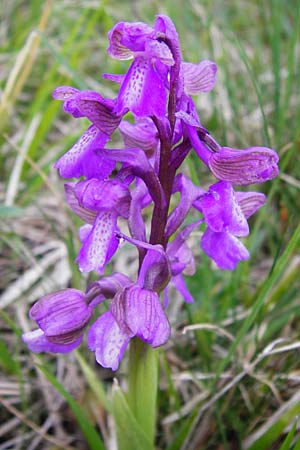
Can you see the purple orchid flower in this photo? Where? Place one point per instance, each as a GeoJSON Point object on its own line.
{"type": "Point", "coordinates": [142, 90]}
{"type": "Point", "coordinates": [143, 179]}
{"type": "Point", "coordinates": [100, 203]}
{"type": "Point", "coordinates": [81, 159]}
{"type": "Point", "coordinates": [226, 220]}
{"type": "Point", "coordinates": [61, 317]}
{"type": "Point", "coordinates": [134, 311]}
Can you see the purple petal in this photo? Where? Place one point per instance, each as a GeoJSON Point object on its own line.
{"type": "Point", "coordinates": [70, 106]}
{"type": "Point", "coordinates": [188, 119]}
{"type": "Point", "coordinates": [85, 214]}
{"type": "Point", "coordinates": [159, 50]}
{"type": "Point", "coordinates": [139, 312]}
{"type": "Point", "coordinates": [225, 249]}
{"type": "Point", "coordinates": [136, 222]}
{"type": "Point", "coordinates": [98, 110]}
{"type": "Point", "coordinates": [222, 211]}
{"type": "Point", "coordinates": [81, 160]}
{"type": "Point", "coordinates": [165, 25]}
{"type": "Point", "coordinates": [38, 343]}
{"type": "Point", "coordinates": [142, 92]}
{"type": "Point", "coordinates": [202, 151]}
{"type": "Point", "coordinates": [188, 194]}
{"type": "Point", "coordinates": [187, 111]}
{"type": "Point", "coordinates": [163, 330]}
{"type": "Point", "coordinates": [99, 195]}
{"type": "Point", "coordinates": [250, 202]}
{"type": "Point", "coordinates": [174, 247]}
{"type": "Point", "coordinates": [114, 77]}
{"type": "Point", "coordinates": [155, 271]}
{"type": "Point", "coordinates": [64, 92]}
{"type": "Point", "coordinates": [242, 167]}
{"type": "Point", "coordinates": [108, 341]}
{"type": "Point", "coordinates": [143, 135]}
{"type": "Point", "coordinates": [126, 38]}
{"type": "Point", "coordinates": [84, 231]}
{"type": "Point", "coordinates": [140, 167]}
{"type": "Point", "coordinates": [199, 77]}
{"type": "Point", "coordinates": [107, 287]}
{"type": "Point", "coordinates": [116, 49]}
{"type": "Point", "coordinates": [180, 285]}
{"type": "Point", "coordinates": [100, 244]}
{"type": "Point", "coordinates": [166, 297]}
{"type": "Point", "coordinates": [62, 315]}
{"type": "Point", "coordinates": [182, 260]}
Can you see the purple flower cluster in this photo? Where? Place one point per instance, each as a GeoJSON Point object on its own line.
{"type": "Point", "coordinates": [118, 184]}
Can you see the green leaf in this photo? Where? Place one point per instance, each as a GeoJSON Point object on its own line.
{"type": "Point", "coordinates": [129, 433]}
{"type": "Point", "coordinates": [92, 437]}
{"type": "Point", "coordinates": [297, 446]}
{"type": "Point", "coordinates": [183, 430]}
{"type": "Point", "coordinates": [273, 432]}
{"type": "Point", "coordinates": [288, 440]}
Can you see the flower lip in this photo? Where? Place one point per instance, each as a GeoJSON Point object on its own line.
{"type": "Point", "coordinates": [222, 211]}
{"type": "Point", "coordinates": [224, 248]}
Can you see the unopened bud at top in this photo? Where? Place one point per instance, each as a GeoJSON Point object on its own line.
{"type": "Point", "coordinates": [62, 315]}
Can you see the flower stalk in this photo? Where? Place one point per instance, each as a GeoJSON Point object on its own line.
{"type": "Point", "coordinates": [142, 385]}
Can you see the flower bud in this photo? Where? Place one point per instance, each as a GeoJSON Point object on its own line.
{"type": "Point", "coordinates": [62, 315]}
{"type": "Point", "coordinates": [242, 167]}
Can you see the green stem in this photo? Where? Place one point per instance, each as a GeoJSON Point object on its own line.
{"type": "Point", "coordinates": [142, 389]}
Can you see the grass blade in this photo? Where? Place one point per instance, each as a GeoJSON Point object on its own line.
{"type": "Point", "coordinates": [92, 437]}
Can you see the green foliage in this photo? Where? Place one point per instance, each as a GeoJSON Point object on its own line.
{"type": "Point", "coordinates": [129, 432]}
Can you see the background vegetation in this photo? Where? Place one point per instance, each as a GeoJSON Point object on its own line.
{"type": "Point", "coordinates": [230, 375]}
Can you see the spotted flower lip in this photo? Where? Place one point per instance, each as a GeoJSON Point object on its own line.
{"type": "Point", "coordinates": [108, 341]}
{"type": "Point", "coordinates": [142, 92]}
{"type": "Point", "coordinates": [99, 242]}
{"type": "Point", "coordinates": [99, 203]}
{"type": "Point", "coordinates": [222, 211]}
{"type": "Point", "coordinates": [103, 195]}
{"type": "Point", "coordinates": [81, 159]}
{"type": "Point", "coordinates": [224, 248]}
{"type": "Point", "coordinates": [225, 213]}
